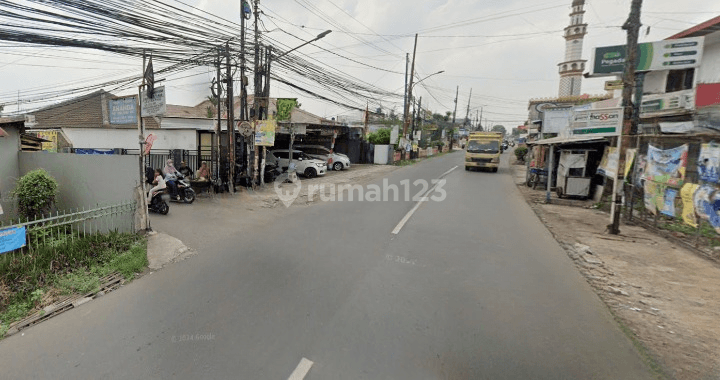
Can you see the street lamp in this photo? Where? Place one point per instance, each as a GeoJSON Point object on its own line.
{"type": "Point", "coordinates": [319, 36]}
{"type": "Point", "coordinates": [292, 130]}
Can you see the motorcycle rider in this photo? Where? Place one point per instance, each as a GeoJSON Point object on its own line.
{"type": "Point", "coordinates": [171, 175]}
{"type": "Point", "coordinates": [159, 183]}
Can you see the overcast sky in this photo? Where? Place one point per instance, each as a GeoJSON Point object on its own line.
{"type": "Point", "coordinates": [506, 51]}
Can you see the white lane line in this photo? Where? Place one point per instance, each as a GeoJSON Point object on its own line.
{"type": "Point", "coordinates": [417, 205]}
{"type": "Point", "coordinates": [301, 370]}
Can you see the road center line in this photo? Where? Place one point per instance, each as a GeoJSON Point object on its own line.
{"type": "Point", "coordinates": [417, 205]}
{"type": "Point", "coordinates": [301, 370]}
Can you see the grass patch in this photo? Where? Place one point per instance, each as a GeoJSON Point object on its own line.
{"type": "Point", "coordinates": [70, 267]}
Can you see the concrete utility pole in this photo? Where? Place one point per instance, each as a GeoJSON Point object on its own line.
{"type": "Point", "coordinates": [258, 86]}
{"type": "Point", "coordinates": [218, 129]}
{"type": "Point", "coordinates": [141, 138]}
{"type": "Point", "coordinates": [407, 63]}
{"type": "Point", "coordinates": [467, 114]}
{"type": "Point", "coordinates": [406, 121]}
{"type": "Point", "coordinates": [230, 120]}
{"type": "Point", "coordinates": [632, 26]}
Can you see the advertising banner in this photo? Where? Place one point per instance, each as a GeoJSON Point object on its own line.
{"type": "Point", "coordinates": [688, 212]}
{"type": "Point", "coordinates": [123, 111]}
{"type": "Point", "coordinates": [265, 132]}
{"type": "Point", "coordinates": [707, 205]}
{"type": "Point", "coordinates": [149, 140]}
{"type": "Point", "coordinates": [667, 166]}
{"type": "Point", "coordinates": [597, 122]}
{"type": "Point", "coordinates": [52, 136]}
{"type": "Point", "coordinates": [614, 85]}
{"type": "Point", "coordinates": [12, 239]}
{"type": "Point", "coordinates": [677, 54]}
{"type": "Point", "coordinates": [610, 162]}
{"type": "Point", "coordinates": [155, 106]}
{"type": "Point", "coordinates": [669, 204]}
{"type": "Point", "coordinates": [708, 163]}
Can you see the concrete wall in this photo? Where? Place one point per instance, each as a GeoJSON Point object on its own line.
{"type": "Point", "coordinates": [86, 180]}
{"type": "Point", "coordinates": [9, 169]}
{"type": "Point", "coordinates": [128, 138]}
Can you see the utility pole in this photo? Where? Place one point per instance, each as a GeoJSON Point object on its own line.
{"type": "Point", "coordinates": [415, 118]}
{"type": "Point", "coordinates": [145, 220]}
{"type": "Point", "coordinates": [467, 114]}
{"type": "Point", "coordinates": [477, 120]}
{"type": "Point", "coordinates": [218, 128]}
{"type": "Point", "coordinates": [406, 121]}
{"type": "Point", "coordinates": [632, 26]}
{"type": "Point", "coordinates": [258, 85]}
{"type": "Point", "coordinates": [230, 120]}
{"type": "Point", "coordinates": [405, 100]}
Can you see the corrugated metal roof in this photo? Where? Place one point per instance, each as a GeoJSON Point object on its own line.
{"type": "Point", "coordinates": [569, 140]}
{"type": "Point", "coordinates": [703, 29]}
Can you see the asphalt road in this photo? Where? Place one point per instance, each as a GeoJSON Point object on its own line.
{"type": "Point", "coordinates": [471, 287]}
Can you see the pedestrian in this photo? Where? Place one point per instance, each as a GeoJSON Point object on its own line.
{"type": "Point", "coordinates": [203, 173]}
{"type": "Point", "coordinates": [159, 183]}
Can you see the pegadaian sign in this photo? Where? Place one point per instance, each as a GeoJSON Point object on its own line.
{"type": "Point", "coordinates": [677, 54]}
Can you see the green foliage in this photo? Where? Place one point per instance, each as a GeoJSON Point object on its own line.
{"type": "Point", "coordinates": [499, 128]}
{"type": "Point", "coordinates": [36, 192]}
{"type": "Point", "coordinates": [520, 153]}
{"type": "Point", "coordinates": [74, 267]}
{"type": "Point", "coordinates": [380, 137]}
{"type": "Point", "coordinates": [210, 112]}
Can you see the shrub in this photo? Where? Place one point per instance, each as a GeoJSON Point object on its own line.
{"type": "Point", "coordinates": [36, 192]}
{"type": "Point", "coordinates": [520, 153]}
{"type": "Point", "coordinates": [380, 137]}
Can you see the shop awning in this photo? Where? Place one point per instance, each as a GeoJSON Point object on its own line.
{"type": "Point", "coordinates": [569, 140]}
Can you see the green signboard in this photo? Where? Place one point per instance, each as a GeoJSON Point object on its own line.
{"type": "Point", "coordinates": [652, 56]}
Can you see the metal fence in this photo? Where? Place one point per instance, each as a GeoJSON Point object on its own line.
{"type": "Point", "coordinates": [61, 226]}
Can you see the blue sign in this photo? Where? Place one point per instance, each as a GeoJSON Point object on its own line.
{"type": "Point", "coordinates": [12, 239]}
{"type": "Point", "coordinates": [123, 111]}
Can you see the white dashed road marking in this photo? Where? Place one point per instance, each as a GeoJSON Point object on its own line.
{"type": "Point", "coordinates": [301, 370]}
{"type": "Point", "coordinates": [417, 205]}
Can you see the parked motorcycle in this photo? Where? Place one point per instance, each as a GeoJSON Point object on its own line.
{"type": "Point", "coordinates": [184, 190]}
{"type": "Point", "coordinates": [158, 203]}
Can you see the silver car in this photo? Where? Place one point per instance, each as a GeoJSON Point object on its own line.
{"type": "Point", "coordinates": [335, 161]}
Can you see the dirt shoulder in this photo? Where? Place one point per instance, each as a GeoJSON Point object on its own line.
{"type": "Point", "coordinates": [667, 296]}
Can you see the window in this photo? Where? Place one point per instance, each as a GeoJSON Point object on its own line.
{"type": "Point", "coordinates": [678, 80]}
{"type": "Point", "coordinates": [283, 155]}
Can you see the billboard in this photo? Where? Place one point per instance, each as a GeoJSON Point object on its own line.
{"type": "Point", "coordinates": [556, 120]}
{"type": "Point", "coordinates": [123, 111]}
{"type": "Point", "coordinates": [52, 137]}
{"type": "Point", "coordinates": [677, 54]}
{"type": "Point", "coordinates": [597, 122]}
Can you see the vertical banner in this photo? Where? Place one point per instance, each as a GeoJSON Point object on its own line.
{"type": "Point", "coordinates": [629, 161]}
{"type": "Point", "coordinates": [610, 162]}
{"type": "Point", "coordinates": [708, 163]}
{"type": "Point", "coordinates": [149, 140]}
{"type": "Point", "coordinates": [688, 212]}
{"type": "Point", "coordinates": [284, 108]}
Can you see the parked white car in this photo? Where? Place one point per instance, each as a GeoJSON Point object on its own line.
{"type": "Point", "coordinates": [304, 164]}
{"type": "Point", "coordinates": [335, 161]}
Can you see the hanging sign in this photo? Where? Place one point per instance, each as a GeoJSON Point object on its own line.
{"type": "Point", "coordinates": [667, 166]}
{"type": "Point", "coordinates": [154, 106]}
{"type": "Point", "coordinates": [12, 239]}
{"type": "Point", "coordinates": [614, 85]}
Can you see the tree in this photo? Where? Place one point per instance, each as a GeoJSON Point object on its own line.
{"type": "Point", "coordinates": [516, 132]}
{"type": "Point", "coordinates": [2, 108]}
{"type": "Point", "coordinates": [499, 128]}
{"type": "Point", "coordinates": [36, 192]}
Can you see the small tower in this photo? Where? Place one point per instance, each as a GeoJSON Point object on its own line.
{"type": "Point", "coordinates": [573, 66]}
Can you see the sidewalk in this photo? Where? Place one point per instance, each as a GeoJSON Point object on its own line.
{"type": "Point", "coordinates": [667, 297]}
